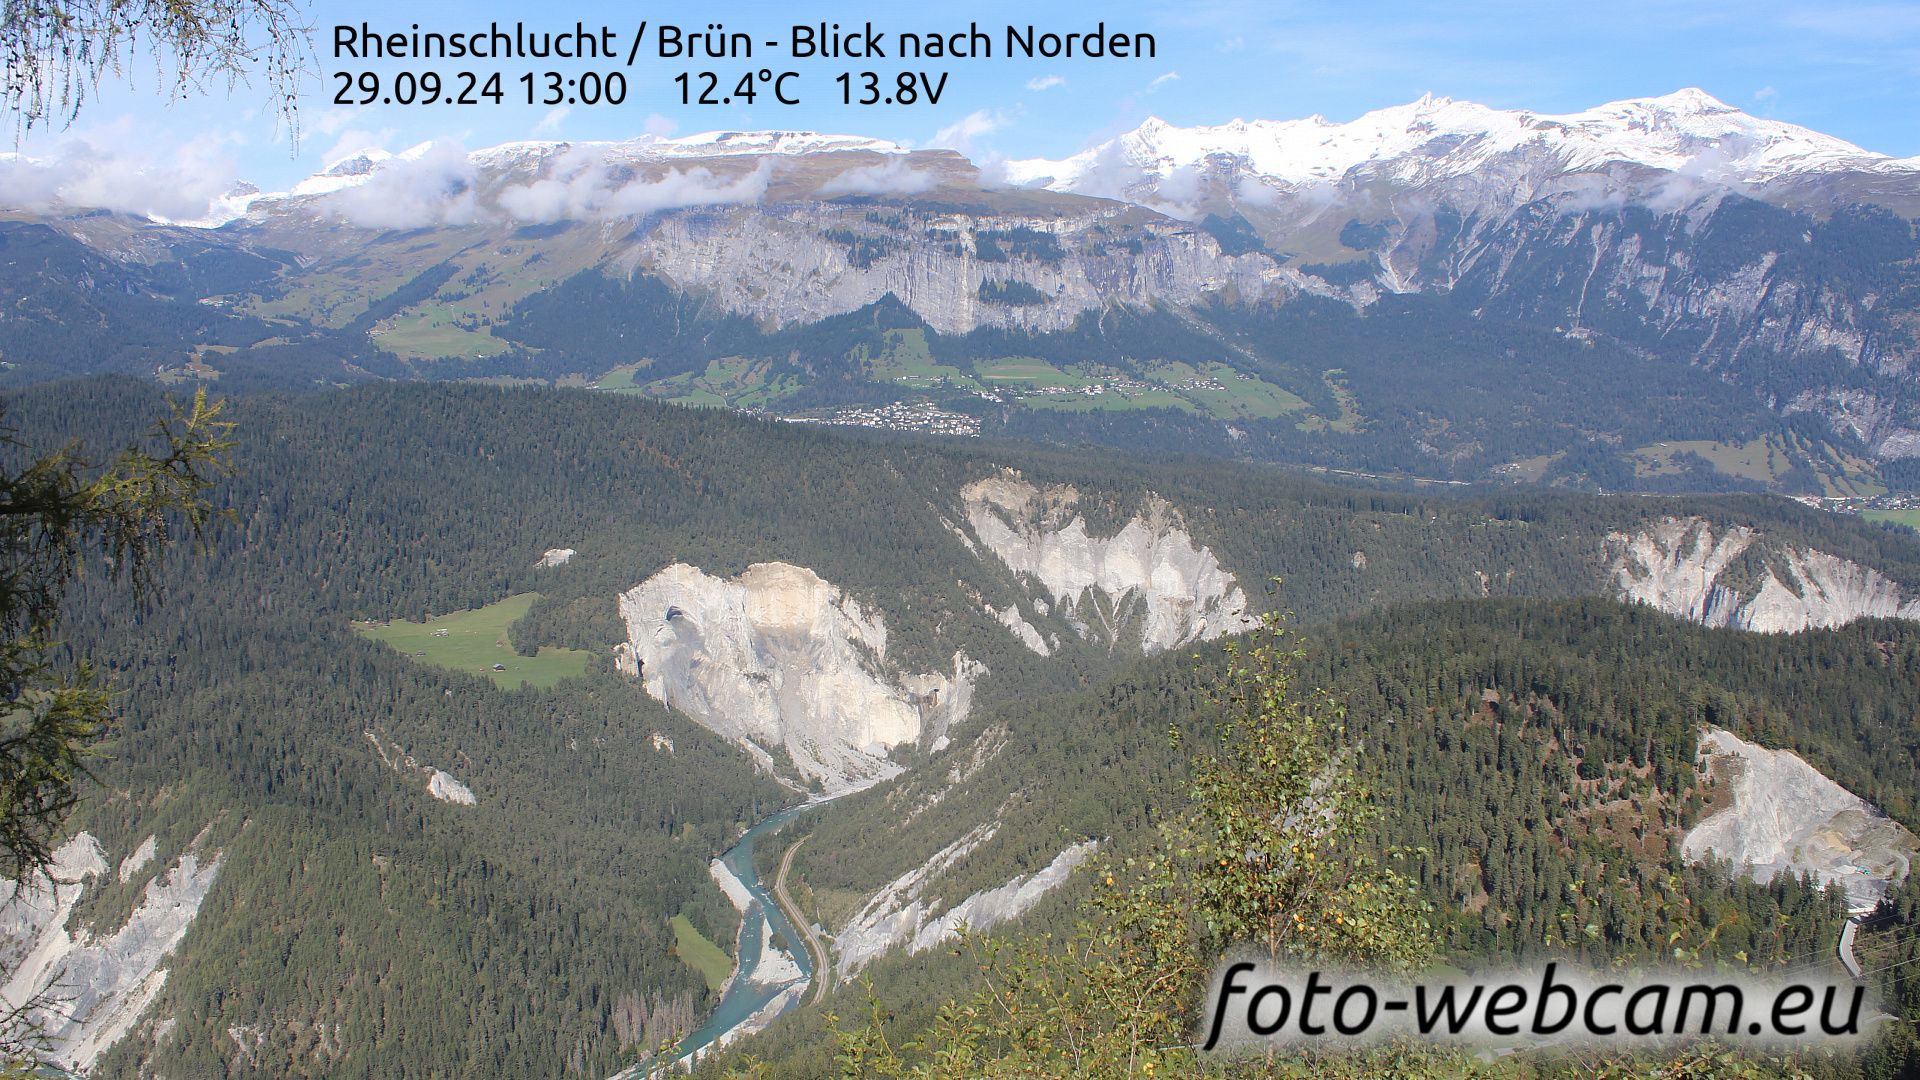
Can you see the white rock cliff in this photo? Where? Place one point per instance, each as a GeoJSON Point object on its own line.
{"type": "Point", "coordinates": [1151, 572]}
{"type": "Point", "coordinates": [94, 988]}
{"type": "Point", "coordinates": [783, 663]}
{"type": "Point", "coordinates": [1677, 564]}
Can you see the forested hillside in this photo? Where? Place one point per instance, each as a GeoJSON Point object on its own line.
{"type": "Point", "coordinates": [1535, 760]}
{"type": "Point", "coordinates": [363, 924]}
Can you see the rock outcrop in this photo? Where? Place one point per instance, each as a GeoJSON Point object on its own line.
{"type": "Point", "coordinates": [1789, 818]}
{"type": "Point", "coordinates": [93, 986]}
{"type": "Point", "coordinates": [444, 787]}
{"type": "Point", "coordinates": [1149, 584]}
{"type": "Point", "coordinates": [440, 784]}
{"type": "Point", "coordinates": [783, 663]}
{"type": "Point", "coordinates": [1681, 567]}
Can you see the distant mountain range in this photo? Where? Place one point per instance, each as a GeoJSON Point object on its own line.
{"type": "Point", "coordinates": [1654, 293]}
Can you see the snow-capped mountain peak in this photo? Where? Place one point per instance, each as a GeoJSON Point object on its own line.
{"type": "Point", "coordinates": [1437, 138]}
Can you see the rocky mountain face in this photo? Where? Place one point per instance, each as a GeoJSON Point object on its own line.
{"type": "Point", "coordinates": [1676, 225]}
{"type": "Point", "coordinates": [1736, 579]}
{"type": "Point", "coordinates": [797, 672]}
{"type": "Point", "coordinates": [909, 912]}
{"type": "Point", "coordinates": [1676, 230]}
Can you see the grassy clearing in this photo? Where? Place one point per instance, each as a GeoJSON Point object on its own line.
{"type": "Point", "coordinates": [1756, 459]}
{"type": "Point", "coordinates": [1765, 460]}
{"type": "Point", "coordinates": [477, 640]}
{"type": "Point", "coordinates": [1909, 518]}
{"type": "Point", "coordinates": [1224, 393]}
{"type": "Point", "coordinates": [729, 382]}
{"type": "Point", "coordinates": [1027, 370]}
{"type": "Point", "coordinates": [622, 377]}
{"type": "Point", "coordinates": [906, 360]}
{"type": "Point", "coordinates": [1113, 401]}
{"type": "Point", "coordinates": [429, 332]}
{"type": "Point", "coordinates": [703, 956]}
{"type": "Point", "coordinates": [1350, 417]}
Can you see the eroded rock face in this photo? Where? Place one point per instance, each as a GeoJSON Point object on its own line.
{"type": "Point", "coordinates": [1679, 566]}
{"type": "Point", "coordinates": [903, 913]}
{"type": "Point", "coordinates": [1151, 573]}
{"type": "Point", "coordinates": [1788, 817]}
{"type": "Point", "coordinates": [782, 662]}
{"type": "Point", "coordinates": [96, 985]}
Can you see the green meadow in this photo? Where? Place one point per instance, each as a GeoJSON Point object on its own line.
{"type": "Point", "coordinates": [703, 956]}
{"type": "Point", "coordinates": [474, 641]}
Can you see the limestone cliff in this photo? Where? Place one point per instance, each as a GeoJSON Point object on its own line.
{"type": "Point", "coordinates": [803, 262]}
{"type": "Point", "coordinates": [1681, 567]}
{"type": "Point", "coordinates": [785, 664]}
{"type": "Point", "coordinates": [1150, 575]}
{"type": "Point", "coordinates": [1787, 817]}
{"type": "Point", "coordinates": [93, 987]}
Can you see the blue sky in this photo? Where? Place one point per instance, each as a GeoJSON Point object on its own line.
{"type": "Point", "coordinates": [1851, 70]}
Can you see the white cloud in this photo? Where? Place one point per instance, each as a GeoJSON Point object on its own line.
{"type": "Point", "coordinates": [431, 184]}
{"type": "Point", "coordinates": [662, 126]}
{"type": "Point", "coordinates": [550, 123]}
{"type": "Point", "coordinates": [110, 170]}
{"type": "Point", "coordinates": [975, 125]}
{"type": "Point", "coordinates": [1046, 82]}
{"type": "Point", "coordinates": [354, 141]}
{"type": "Point", "coordinates": [894, 177]}
{"type": "Point", "coordinates": [1765, 93]}
{"type": "Point", "coordinates": [1157, 83]}
{"type": "Point", "coordinates": [334, 121]}
{"type": "Point", "coordinates": [581, 187]}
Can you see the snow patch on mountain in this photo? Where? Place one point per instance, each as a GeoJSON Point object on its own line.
{"type": "Point", "coordinates": [1678, 564]}
{"type": "Point", "coordinates": [94, 988]}
{"type": "Point", "coordinates": [1151, 572]}
{"type": "Point", "coordinates": [782, 662]}
{"type": "Point", "coordinates": [1788, 818]}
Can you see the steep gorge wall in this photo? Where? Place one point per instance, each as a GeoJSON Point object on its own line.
{"type": "Point", "coordinates": [1787, 817]}
{"type": "Point", "coordinates": [779, 264]}
{"type": "Point", "coordinates": [1679, 565]}
{"type": "Point", "coordinates": [1151, 572]}
{"type": "Point", "coordinates": [93, 987]}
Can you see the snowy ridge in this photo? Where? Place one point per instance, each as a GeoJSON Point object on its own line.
{"type": "Point", "coordinates": [1438, 138]}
